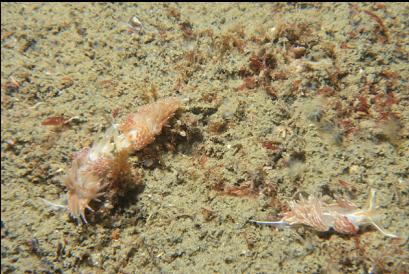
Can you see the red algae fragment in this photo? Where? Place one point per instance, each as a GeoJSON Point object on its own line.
{"type": "Point", "coordinates": [54, 121]}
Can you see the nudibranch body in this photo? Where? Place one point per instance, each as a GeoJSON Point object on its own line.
{"type": "Point", "coordinates": [93, 169]}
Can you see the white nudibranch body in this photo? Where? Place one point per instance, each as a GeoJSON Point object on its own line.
{"type": "Point", "coordinates": [343, 216]}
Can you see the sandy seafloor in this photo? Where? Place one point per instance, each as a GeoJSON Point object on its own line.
{"type": "Point", "coordinates": [279, 99]}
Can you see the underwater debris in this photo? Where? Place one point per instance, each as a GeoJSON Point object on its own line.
{"type": "Point", "coordinates": [96, 171]}
{"type": "Point", "coordinates": [344, 217]}
{"type": "Point", "coordinates": [135, 26]}
{"type": "Point", "coordinates": [187, 29]}
{"type": "Point", "coordinates": [389, 128]}
{"type": "Point", "coordinates": [11, 85]}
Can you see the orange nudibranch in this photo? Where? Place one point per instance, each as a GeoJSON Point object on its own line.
{"type": "Point", "coordinates": [140, 128]}
{"type": "Point", "coordinates": [92, 172]}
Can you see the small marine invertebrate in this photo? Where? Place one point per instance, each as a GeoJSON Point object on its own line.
{"type": "Point", "coordinates": [343, 216]}
{"type": "Point", "coordinates": [98, 168]}
{"type": "Point", "coordinates": [86, 179]}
